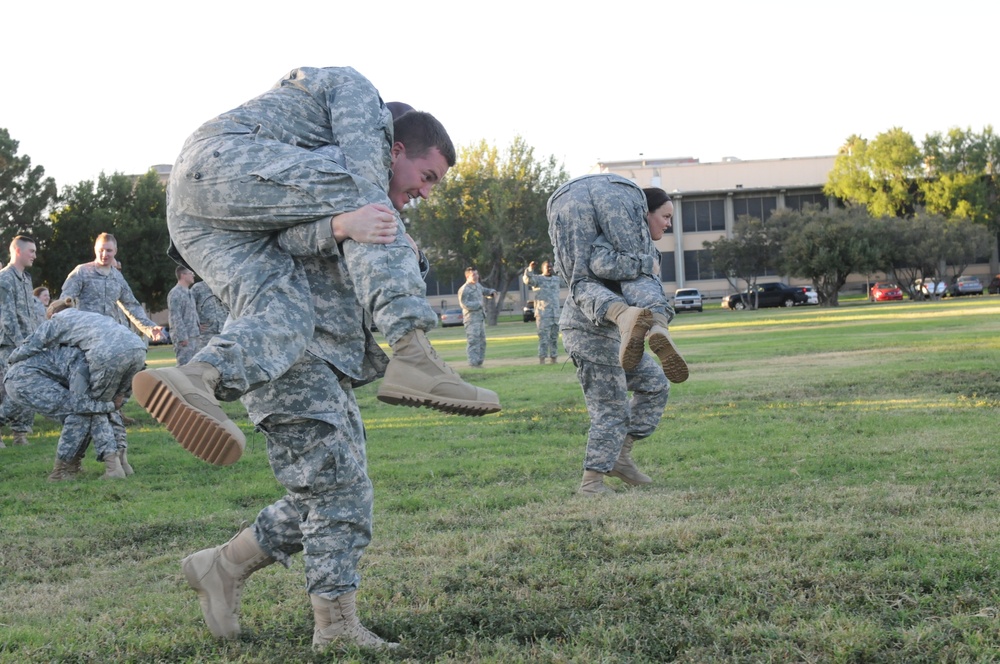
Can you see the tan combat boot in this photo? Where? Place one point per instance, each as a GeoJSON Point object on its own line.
{"type": "Point", "coordinates": [123, 458]}
{"type": "Point", "coordinates": [593, 484]}
{"type": "Point", "coordinates": [337, 623]}
{"type": "Point", "coordinates": [416, 377]}
{"type": "Point", "coordinates": [183, 399]}
{"type": "Point", "coordinates": [633, 324]}
{"type": "Point", "coordinates": [73, 467]}
{"type": "Point", "coordinates": [20, 438]}
{"type": "Point", "coordinates": [674, 366]}
{"type": "Point", "coordinates": [58, 473]}
{"type": "Point", "coordinates": [625, 469]}
{"type": "Point", "coordinates": [218, 575]}
{"type": "Point", "coordinates": [112, 468]}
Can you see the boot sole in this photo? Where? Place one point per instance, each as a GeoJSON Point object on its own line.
{"type": "Point", "coordinates": [674, 366]}
{"type": "Point", "coordinates": [218, 443]}
{"type": "Point", "coordinates": [398, 395]}
{"type": "Point", "coordinates": [635, 347]}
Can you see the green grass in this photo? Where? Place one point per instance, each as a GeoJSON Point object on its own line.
{"type": "Point", "coordinates": [825, 490]}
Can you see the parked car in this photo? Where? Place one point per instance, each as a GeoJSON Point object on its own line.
{"type": "Point", "coordinates": [811, 294]}
{"type": "Point", "coordinates": [687, 299]}
{"type": "Point", "coordinates": [451, 318]}
{"type": "Point", "coordinates": [994, 287]}
{"type": "Point", "coordinates": [966, 286]}
{"type": "Point", "coordinates": [528, 314]}
{"type": "Point", "coordinates": [776, 294]}
{"type": "Point", "coordinates": [884, 291]}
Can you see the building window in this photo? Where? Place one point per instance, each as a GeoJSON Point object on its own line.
{"type": "Point", "coordinates": [798, 201]}
{"type": "Point", "coordinates": [703, 216]}
{"type": "Point", "coordinates": [668, 269]}
{"type": "Point", "coordinates": [760, 207]}
{"type": "Point", "coordinates": [698, 265]}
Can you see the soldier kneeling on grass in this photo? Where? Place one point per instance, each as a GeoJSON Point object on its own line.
{"type": "Point", "coordinates": [77, 368]}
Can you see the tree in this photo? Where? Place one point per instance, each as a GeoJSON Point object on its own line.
{"type": "Point", "coordinates": [826, 246]}
{"type": "Point", "coordinates": [131, 209]}
{"type": "Point", "coordinates": [880, 175]}
{"type": "Point", "coordinates": [748, 254]}
{"type": "Point", "coordinates": [961, 175]}
{"type": "Point", "coordinates": [962, 180]}
{"type": "Point", "coordinates": [489, 211]}
{"type": "Point", "coordinates": [26, 195]}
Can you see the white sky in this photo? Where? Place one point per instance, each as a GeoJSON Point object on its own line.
{"type": "Point", "coordinates": [108, 85]}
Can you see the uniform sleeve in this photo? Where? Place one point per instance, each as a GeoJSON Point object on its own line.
{"type": "Point", "coordinates": [132, 309]}
{"type": "Point", "coordinates": [8, 314]}
{"type": "Point", "coordinates": [608, 262]}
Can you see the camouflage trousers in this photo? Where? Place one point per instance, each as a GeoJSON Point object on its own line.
{"type": "Point", "coordinates": [548, 336]}
{"type": "Point", "coordinates": [613, 415]}
{"type": "Point", "coordinates": [597, 225]}
{"type": "Point", "coordinates": [12, 412]}
{"type": "Point", "coordinates": [185, 353]}
{"type": "Point", "coordinates": [235, 206]}
{"type": "Point", "coordinates": [66, 399]}
{"type": "Point", "coordinates": [316, 447]}
{"type": "Point", "coordinates": [475, 337]}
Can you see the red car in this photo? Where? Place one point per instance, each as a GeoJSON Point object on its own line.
{"type": "Point", "coordinates": [882, 292]}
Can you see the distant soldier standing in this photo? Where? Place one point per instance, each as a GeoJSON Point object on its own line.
{"type": "Point", "coordinates": [183, 316]}
{"type": "Point", "coordinates": [98, 287]}
{"type": "Point", "coordinates": [212, 313]}
{"type": "Point", "coordinates": [472, 297]}
{"type": "Point", "coordinates": [546, 288]}
{"type": "Point", "coordinates": [18, 321]}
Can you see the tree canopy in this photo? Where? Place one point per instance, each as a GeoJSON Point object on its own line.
{"type": "Point", "coordinates": [131, 209]}
{"type": "Point", "coordinates": [880, 175]}
{"type": "Point", "coordinates": [26, 195]}
{"type": "Point", "coordinates": [489, 212]}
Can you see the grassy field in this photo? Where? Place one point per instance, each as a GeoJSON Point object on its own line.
{"type": "Point", "coordinates": [825, 490]}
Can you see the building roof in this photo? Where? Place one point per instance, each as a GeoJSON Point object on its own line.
{"type": "Point", "coordinates": [687, 175]}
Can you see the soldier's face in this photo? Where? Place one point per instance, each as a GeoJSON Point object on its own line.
{"type": "Point", "coordinates": [104, 252]}
{"type": "Point", "coordinates": [660, 220]}
{"type": "Point", "coordinates": [546, 269]}
{"type": "Point", "coordinates": [414, 177]}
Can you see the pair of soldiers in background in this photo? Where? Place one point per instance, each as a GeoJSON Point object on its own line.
{"type": "Point", "coordinates": [196, 315]}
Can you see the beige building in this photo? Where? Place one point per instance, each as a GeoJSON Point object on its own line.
{"type": "Point", "coordinates": [708, 198]}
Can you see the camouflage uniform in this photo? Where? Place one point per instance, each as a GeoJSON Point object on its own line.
{"type": "Point", "coordinates": [39, 309]}
{"type": "Point", "coordinates": [314, 146]}
{"type": "Point", "coordinates": [316, 439]}
{"type": "Point", "coordinates": [105, 291]}
{"type": "Point", "coordinates": [579, 213]}
{"type": "Point", "coordinates": [601, 220]}
{"type": "Point", "coordinates": [183, 323]}
{"type": "Point", "coordinates": [212, 313]}
{"type": "Point", "coordinates": [471, 297]}
{"type": "Point", "coordinates": [546, 310]}
{"type": "Point", "coordinates": [56, 383]}
{"type": "Point", "coordinates": [113, 356]}
{"type": "Point", "coordinates": [18, 321]}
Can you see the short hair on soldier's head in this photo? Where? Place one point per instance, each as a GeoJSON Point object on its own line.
{"type": "Point", "coordinates": [470, 270]}
{"type": "Point", "coordinates": [106, 237]}
{"type": "Point", "coordinates": [419, 132]}
{"type": "Point", "coordinates": [38, 291]}
{"type": "Point", "coordinates": [20, 241]}
{"type": "Point", "coordinates": [61, 304]}
{"type": "Point", "coordinates": [180, 269]}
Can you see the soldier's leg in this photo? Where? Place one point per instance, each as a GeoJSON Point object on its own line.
{"type": "Point", "coordinates": [605, 394]}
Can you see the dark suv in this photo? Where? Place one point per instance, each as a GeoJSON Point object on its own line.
{"type": "Point", "coordinates": [774, 294]}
